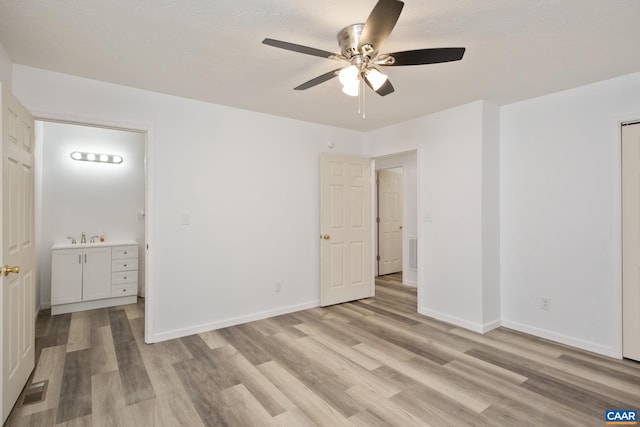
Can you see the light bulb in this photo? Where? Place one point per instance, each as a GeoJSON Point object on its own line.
{"type": "Point", "coordinates": [117, 159]}
{"type": "Point", "coordinates": [104, 158]}
{"type": "Point", "coordinates": [76, 156]}
{"type": "Point", "coordinates": [375, 78]}
{"type": "Point", "coordinates": [91, 157]}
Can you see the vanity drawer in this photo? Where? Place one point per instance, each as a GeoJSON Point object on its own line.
{"type": "Point", "coordinates": [124, 290]}
{"type": "Point", "coordinates": [124, 264]}
{"type": "Point", "coordinates": [119, 252]}
{"type": "Point", "coordinates": [123, 277]}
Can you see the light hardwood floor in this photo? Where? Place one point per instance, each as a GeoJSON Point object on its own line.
{"type": "Point", "coordinates": [374, 362]}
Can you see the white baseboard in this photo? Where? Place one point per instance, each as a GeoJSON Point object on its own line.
{"type": "Point", "coordinates": [44, 305]}
{"type": "Point", "coordinates": [475, 327]}
{"type": "Point", "coordinates": [411, 283]}
{"type": "Point", "coordinates": [92, 304]}
{"type": "Point", "coordinates": [563, 339]}
{"type": "Point", "coordinates": [192, 330]}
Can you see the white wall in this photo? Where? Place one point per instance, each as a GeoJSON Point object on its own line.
{"type": "Point", "coordinates": [6, 68]}
{"type": "Point", "coordinates": [233, 171]}
{"type": "Point", "coordinates": [560, 212]}
{"type": "Point", "coordinates": [249, 181]}
{"type": "Point", "coordinates": [491, 215]}
{"type": "Point", "coordinates": [408, 162]}
{"type": "Point", "coordinates": [96, 198]}
{"type": "Point", "coordinates": [450, 157]}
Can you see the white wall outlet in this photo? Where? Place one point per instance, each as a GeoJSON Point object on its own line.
{"type": "Point", "coordinates": [278, 287]}
{"type": "Point", "coordinates": [545, 303]}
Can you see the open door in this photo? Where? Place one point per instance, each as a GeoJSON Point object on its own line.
{"type": "Point", "coordinates": [18, 250]}
{"type": "Point", "coordinates": [631, 241]}
{"type": "Point", "coordinates": [345, 229]}
{"type": "Point", "coordinates": [389, 222]}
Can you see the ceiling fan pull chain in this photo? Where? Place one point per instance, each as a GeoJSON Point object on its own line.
{"type": "Point", "coordinates": [364, 106]}
{"type": "Point", "coordinates": [359, 98]}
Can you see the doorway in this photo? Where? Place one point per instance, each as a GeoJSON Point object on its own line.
{"type": "Point", "coordinates": [404, 269]}
{"type": "Point", "coordinates": [102, 200]}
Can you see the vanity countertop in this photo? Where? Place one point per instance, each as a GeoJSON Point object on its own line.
{"type": "Point", "coordinates": [67, 245]}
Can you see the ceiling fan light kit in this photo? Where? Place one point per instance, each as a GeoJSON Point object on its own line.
{"type": "Point", "coordinates": [360, 47]}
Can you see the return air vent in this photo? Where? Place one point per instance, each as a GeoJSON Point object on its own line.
{"type": "Point", "coordinates": [413, 252]}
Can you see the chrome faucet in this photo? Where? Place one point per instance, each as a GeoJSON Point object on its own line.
{"type": "Point", "coordinates": [93, 239]}
{"type": "Point", "coordinates": [83, 239]}
{"type": "Point", "coordinates": [73, 240]}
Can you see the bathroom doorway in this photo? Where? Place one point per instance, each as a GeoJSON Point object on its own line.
{"type": "Point", "coordinates": [403, 213]}
{"type": "Point", "coordinates": [104, 200]}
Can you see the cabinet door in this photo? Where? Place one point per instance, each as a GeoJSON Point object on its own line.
{"type": "Point", "coordinates": [96, 274]}
{"type": "Point", "coordinates": [66, 276]}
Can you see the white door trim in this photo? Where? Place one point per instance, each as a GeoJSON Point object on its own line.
{"type": "Point", "coordinates": [150, 200]}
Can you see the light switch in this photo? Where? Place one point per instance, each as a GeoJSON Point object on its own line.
{"type": "Point", "coordinates": [185, 218]}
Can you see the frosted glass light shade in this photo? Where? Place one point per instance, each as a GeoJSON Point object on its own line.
{"type": "Point", "coordinates": [376, 78]}
{"type": "Point", "coordinates": [352, 90]}
{"type": "Point", "coordinates": [348, 76]}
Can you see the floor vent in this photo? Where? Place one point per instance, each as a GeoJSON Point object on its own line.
{"type": "Point", "coordinates": [35, 393]}
{"type": "Point", "coordinates": [413, 252]}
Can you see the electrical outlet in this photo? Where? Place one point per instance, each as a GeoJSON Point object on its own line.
{"type": "Point", "coordinates": [545, 303]}
{"type": "Point", "coordinates": [278, 287]}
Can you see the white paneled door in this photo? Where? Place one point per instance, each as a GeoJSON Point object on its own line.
{"type": "Point", "coordinates": [631, 241]}
{"type": "Point", "coordinates": [345, 229]}
{"type": "Point", "coordinates": [18, 251]}
{"type": "Point", "coordinates": [390, 222]}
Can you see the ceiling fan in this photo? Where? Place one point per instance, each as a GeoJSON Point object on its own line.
{"type": "Point", "coordinates": [360, 47]}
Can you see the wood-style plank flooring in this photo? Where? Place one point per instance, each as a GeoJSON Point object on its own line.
{"type": "Point", "coordinates": [374, 362]}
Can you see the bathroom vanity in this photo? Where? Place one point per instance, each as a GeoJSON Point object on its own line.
{"type": "Point", "coordinates": [86, 276]}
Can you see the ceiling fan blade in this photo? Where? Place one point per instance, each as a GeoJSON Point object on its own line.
{"type": "Point", "coordinates": [299, 48]}
{"type": "Point", "coordinates": [425, 56]}
{"type": "Point", "coordinates": [385, 89]}
{"type": "Point", "coordinates": [320, 79]}
{"type": "Point", "coordinates": [380, 22]}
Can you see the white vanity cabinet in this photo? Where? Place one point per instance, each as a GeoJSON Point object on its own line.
{"type": "Point", "coordinates": [88, 276]}
{"type": "Point", "coordinates": [80, 275]}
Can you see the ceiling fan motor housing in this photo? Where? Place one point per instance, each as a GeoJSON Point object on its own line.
{"type": "Point", "coordinates": [349, 42]}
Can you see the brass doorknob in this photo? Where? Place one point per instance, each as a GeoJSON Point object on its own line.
{"type": "Point", "coordinates": [6, 269]}
{"type": "Point", "coordinates": [325, 236]}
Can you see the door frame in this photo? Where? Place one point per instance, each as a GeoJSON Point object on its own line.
{"type": "Point", "coordinates": [149, 204]}
{"type": "Point", "coordinates": [617, 227]}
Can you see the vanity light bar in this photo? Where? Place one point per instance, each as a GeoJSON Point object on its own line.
{"type": "Point", "coordinates": [96, 157]}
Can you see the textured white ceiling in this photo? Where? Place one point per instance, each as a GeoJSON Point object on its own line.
{"type": "Point", "coordinates": [211, 50]}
